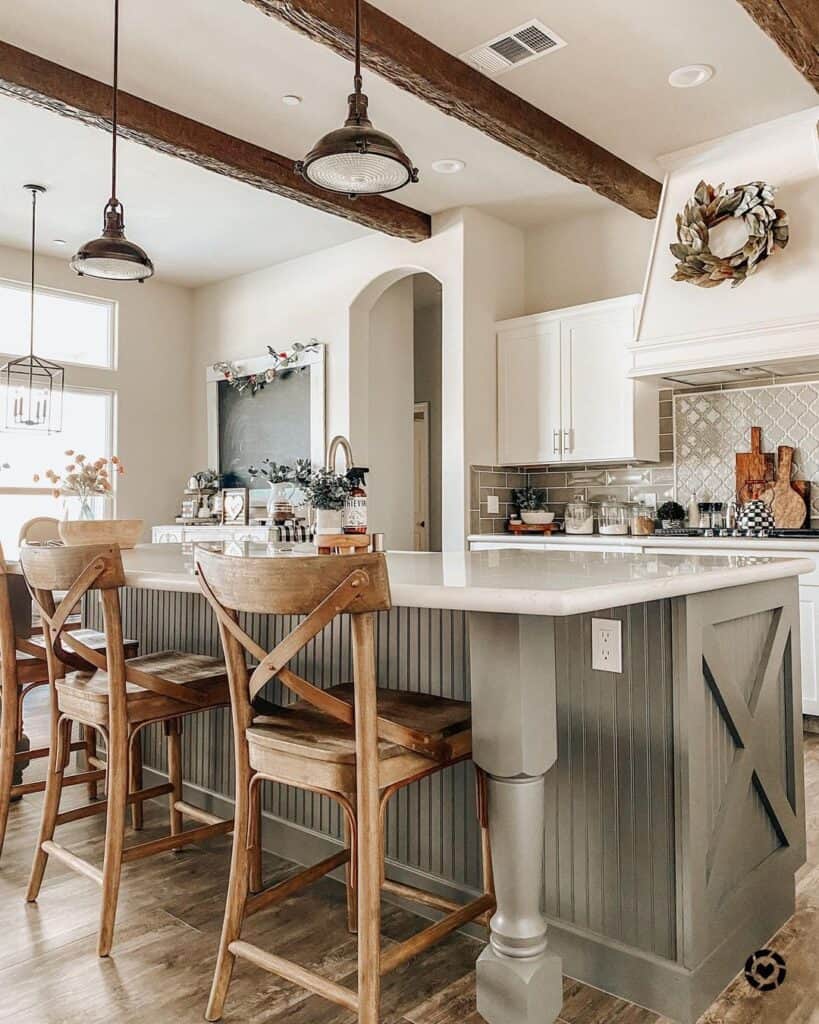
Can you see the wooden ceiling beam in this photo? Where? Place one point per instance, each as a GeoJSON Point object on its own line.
{"type": "Point", "coordinates": [794, 27]}
{"type": "Point", "coordinates": [423, 69]}
{"type": "Point", "coordinates": [66, 92]}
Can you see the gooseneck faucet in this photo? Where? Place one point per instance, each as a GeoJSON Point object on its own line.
{"type": "Point", "coordinates": [339, 441]}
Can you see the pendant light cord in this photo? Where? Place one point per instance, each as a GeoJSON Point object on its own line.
{"type": "Point", "coordinates": [114, 112]}
{"type": "Point", "coordinates": [31, 299]}
{"type": "Point", "coordinates": [357, 77]}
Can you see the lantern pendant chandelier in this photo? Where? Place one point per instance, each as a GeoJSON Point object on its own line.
{"type": "Point", "coordinates": [33, 386]}
{"type": "Point", "coordinates": [357, 159]}
{"type": "Point", "coordinates": [112, 256]}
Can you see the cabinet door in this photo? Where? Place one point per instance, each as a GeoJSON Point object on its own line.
{"type": "Point", "coordinates": [529, 395]}
{"type": "Point", "coordinates": [597, 397]}
{"type": "Point", "coordinates": [809, 628]}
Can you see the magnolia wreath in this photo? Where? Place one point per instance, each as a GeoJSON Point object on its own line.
{"type": "Point", "coordinates": [766, 225]}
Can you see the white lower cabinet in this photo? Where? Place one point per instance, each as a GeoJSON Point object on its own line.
{"type": "Point", "coordinates": [563, 390]}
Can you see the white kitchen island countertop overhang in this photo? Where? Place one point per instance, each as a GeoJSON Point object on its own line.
{"type": "Point", "coordinates": [511, 581]}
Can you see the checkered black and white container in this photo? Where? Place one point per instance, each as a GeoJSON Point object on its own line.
{"type": "Point", "coordinates": [755, 515]}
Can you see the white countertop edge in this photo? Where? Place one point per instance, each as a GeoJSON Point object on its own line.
{"type": "Point", "coordinates": [537, 602]}
{"type": "Point", "coordinates": [652, 540]}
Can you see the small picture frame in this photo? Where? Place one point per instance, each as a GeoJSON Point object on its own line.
{"type": "Point", "coordinates": [235, 506]}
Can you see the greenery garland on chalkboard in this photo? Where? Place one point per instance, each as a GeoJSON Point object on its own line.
{"type": "Point", "coordinates": [282, 367]}
{"type": "Point", "coordinates": [766, 225]}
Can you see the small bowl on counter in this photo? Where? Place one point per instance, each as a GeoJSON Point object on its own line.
{"type": "Point", "coordinates": [539, 518]}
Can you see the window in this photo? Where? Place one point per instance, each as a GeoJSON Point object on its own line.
{"type": "Point", "coordinates": [67, 328]}
{"type": "Point", "coordinates": [88, 421]}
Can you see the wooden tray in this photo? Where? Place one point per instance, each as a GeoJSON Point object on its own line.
{"type": "Point", "coordinates": [755, 470]}
{"type": "Point", "coordinates": [532, 527]}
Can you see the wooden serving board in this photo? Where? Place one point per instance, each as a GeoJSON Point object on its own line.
{"type": "Point", "coordinates": [532, 527]}
{"type": "Point", "coordinates": [755, 470]}
{"type": "Point", "coordinates": [788, 505]}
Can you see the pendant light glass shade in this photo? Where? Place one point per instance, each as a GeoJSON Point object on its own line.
{"type": "Point", "coordinates": [111, 256]}
{"type": "Point", "coordinates": [32, 388]}
{"type": "Point", "coordinates": [357, 159]}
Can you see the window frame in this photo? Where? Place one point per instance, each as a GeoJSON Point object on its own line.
{"type": "Point", "coordinates": [112, 305]}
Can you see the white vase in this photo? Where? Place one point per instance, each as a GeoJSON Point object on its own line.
{"type": "Point", "coordinates": [328, 520]}
{"type": "Point", "coordinates": [279, 506]}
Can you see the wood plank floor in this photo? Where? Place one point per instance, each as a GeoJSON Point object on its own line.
{"type": "Point", "coordinates": [168, 926]}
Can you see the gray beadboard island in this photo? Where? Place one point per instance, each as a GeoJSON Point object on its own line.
{"type": "Point", "coordinates": [646, 824]}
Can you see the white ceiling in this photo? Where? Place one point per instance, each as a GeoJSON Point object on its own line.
{"type": "Point", "coordinates": [224, 63]}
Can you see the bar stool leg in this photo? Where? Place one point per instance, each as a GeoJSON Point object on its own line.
{"type": "Point", "coordinates": [254, 846]}
{"type": "Point", "coordinates": [9, 714]}
{"type": "Point", "coordinates": [135, 781]}
{"type": "Point", "coordinates": [90, 737]}
{"type": "Point", "coordinates": [351, 871]}
{"type": "Point", "coordinates": [238, 887]}
{"type": "Point", "coordinates": [51, 803]}
{"type": "Point", "coordinates": [118, 779]}
{"type": "Point", "coordinates": [173, 733]}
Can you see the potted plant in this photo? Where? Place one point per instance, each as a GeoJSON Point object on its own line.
{"type": "Point", "coordinates": [86, 486]}
{"type": "Point", "coordinates": [280, 478]}
{"type": "Point", "coordinates": [327, 491]}
{"type": "Point", "coordinates": [672, 513]}
{"type": "Point", "coordinates": [532, 504]}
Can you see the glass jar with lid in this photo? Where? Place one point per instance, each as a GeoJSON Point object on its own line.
{"type": "Point", "coordinates": [643, 518]}
{"type": "Point", "coordinates": [614, 516]}
{"type": "Point", "coordinates": [579, 516]}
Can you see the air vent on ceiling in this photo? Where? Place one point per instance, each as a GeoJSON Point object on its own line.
{"type": "Point", "coordinates": [510, 50]}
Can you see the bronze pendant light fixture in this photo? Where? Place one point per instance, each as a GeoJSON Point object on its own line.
{"type": "Point", "coordinates": [111, 256]}
{"type": "Point", "coordinates": [33, 387]}
{"type": "Point", "coordinates": [357, 159]}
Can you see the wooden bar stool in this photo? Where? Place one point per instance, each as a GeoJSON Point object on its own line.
{"type": "Point", "coordinates": [354, 743]}
{"type": "Point", "coordinates": [117, 699]}
{"type": "Point", "coordinates": [23, 668]}
{"type": "Point", "coordinates": [45, 530]}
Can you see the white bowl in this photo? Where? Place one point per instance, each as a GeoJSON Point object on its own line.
{"type": "Point", "coordinates": [537, 518]}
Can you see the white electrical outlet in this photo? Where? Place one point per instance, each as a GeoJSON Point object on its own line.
{"type": "Point", "coordinates": [607, 645]}
{"type": "Point", "coordinates": [493, 505]}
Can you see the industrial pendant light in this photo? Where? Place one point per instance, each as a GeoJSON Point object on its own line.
{"type": "Point", "coordinates": [357, 159]}
{"type": "Point", "coordinates": [33, 387]}
{"type": "Point", "coordinates": [112, 256]}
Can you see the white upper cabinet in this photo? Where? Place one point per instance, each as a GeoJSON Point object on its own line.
{"type": "Point", "coordinates": [563, 390]}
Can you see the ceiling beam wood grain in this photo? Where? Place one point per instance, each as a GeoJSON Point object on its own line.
{"type": "Point", "coordinates": [66, 92]}
{"type": "Point", "coordinates": [794, 27]}
{"type": "Point", "coordinates": [423, 69]}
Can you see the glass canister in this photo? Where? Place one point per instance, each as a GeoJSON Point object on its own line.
{"type": "Point", "coordinates": [613, 517]}
{"type": "Point", "coordinates": [579, 516]}
{"type": "Point", "coordinates": [643, 519]}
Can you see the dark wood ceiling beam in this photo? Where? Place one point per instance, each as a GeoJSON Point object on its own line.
{"type": "Point", "coordinates": [423, 69]}
{"type": "Point", "coordinates": [794, 27]}
{"type": "Point", "coordinates": [66, 92]}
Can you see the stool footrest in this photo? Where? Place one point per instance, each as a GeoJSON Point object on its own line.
{"type": "Point", "coordinates": [196, 812]}
{"type": "Point", "coordinates": [70, 780]}
{"type": "Point", "coordinates": [72, 861]}
{"type": "Point", "coordinates": [289, 886]}
{"type": "Point", "coordinates": [101, 806]}
{"type": "Point", "coordinates": [295, 973]}
{"type": "Point", "coordinates": [195, 835]}
{"type": "Point", "coordinates": [398, 955]}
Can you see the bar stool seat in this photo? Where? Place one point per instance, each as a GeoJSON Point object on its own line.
{"type": "Point", "coordinates": [84, 696]}
{"type": "Point", "coordinates": [90, 637]}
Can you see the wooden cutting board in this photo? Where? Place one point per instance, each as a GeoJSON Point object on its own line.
{"type": "Point", "coordinates": [755, 470]}
{"type": "Point", "coordinates": [788, 506]}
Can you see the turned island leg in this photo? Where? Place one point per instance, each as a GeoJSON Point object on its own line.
{"type": "Point", "coordinates": [514, 724]}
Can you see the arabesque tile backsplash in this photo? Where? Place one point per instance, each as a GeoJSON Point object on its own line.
{"type": "Point", "coordinates": [700, 432]}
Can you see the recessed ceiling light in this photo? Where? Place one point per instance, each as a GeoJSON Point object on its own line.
{"type": "Point", "coordinates": [59, 241]}
{"type": "Point", "coordinates": [291, 100]}
{"type": "Point", "coordinates": [690, 76]}
{"type": "Point", "coordinates": [448, 166]}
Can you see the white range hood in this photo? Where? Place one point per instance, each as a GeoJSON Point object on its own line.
{"type": "Point", "coordinates": [770, 323]}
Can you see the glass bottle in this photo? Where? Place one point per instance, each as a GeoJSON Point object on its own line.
{"type": "Point", "coordinates": [354, 515]}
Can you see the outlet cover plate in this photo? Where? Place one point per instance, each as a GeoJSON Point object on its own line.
{"type": "Point", "coordinates": [493, 505]}
{"type": "Point", "coordinates": [607, 645]}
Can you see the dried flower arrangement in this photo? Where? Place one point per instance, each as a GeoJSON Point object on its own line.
{"type": "Point", "coordinates": [83, 478]}
{"type": "Point", "coordinates": [753, 203]}
{"type": "Point", "coordinates": [327, 490]}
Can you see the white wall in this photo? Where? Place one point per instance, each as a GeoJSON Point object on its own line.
{"type": "Point", "coordinates": [153, 381]}
{"type": "Point", "coordinates": [391, 398]}
{"type": "Point", "coordinates": [586, 258]}
{"type": "Point", "coordinates": [428, 388]}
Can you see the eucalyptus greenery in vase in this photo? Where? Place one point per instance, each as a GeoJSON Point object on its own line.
{"type": "Point", "coordinates": [327, 491]}
{"type": "Point", "coordinates": [86, 485]}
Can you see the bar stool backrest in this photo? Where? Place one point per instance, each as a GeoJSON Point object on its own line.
{"type": "Point", "coordinates": [40, 530]}
{"type": "Point", "coordinates": [8, 642]}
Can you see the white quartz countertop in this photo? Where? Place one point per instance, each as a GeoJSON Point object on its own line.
{"type": "Point", "coordinates": [652, 541]}
{"type": "Point", "coordinates": [511, 581]}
